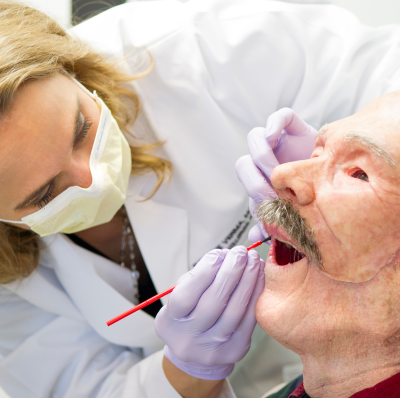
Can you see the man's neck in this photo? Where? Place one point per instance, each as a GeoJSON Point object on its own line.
{"type": "Point", "coordinates": [342, 376]}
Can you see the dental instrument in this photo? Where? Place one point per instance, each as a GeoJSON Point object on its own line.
{"type": "Point", "coordinates": [168, 291]}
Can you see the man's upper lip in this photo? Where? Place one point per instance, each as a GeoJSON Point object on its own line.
{"type": "Point", "coordinates": [280, 234]}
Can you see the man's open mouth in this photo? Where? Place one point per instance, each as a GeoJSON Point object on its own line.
{"type": "Point", "coordinates": [285, 253]}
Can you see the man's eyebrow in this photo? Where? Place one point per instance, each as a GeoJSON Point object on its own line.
{"type": "Point", "coordinates": [31, 197]}
{"type": "Point", "coordinates": [322, 131]}
{"type": "Point", "coordinates": [372, 144]}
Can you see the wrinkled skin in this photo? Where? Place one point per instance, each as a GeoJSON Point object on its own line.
{"type": "Point", "coordinates": [344, 320]}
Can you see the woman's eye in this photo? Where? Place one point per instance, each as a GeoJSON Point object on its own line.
{"type": "Point", "coordinates": [47, 197]}
{"type": "Point", "coordinates": [83, 133]}
{"type": "Point", "coordinates": [361, 175]}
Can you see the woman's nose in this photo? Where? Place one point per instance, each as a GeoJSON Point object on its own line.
{"type": "Point", "coordinates": [80, 174]}
{"type": "Point", "coordinates": [294, 181]}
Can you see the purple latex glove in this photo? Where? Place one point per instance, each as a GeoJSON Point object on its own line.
{"type": "Point", "coordinates": [286, 138]}
{"type": "Point", "coordinates": [209, 319]}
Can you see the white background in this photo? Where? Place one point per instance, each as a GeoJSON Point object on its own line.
{"type": "Point", "coordinates": [371, 12]}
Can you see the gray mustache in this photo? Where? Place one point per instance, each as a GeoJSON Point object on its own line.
{"type": "Point", "coordinates": [281, 213]}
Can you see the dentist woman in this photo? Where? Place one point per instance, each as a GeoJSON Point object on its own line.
{"type": "Point", "coordinates": [117, 177]}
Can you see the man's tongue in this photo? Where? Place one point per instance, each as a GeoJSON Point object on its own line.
{"type": "Point", "coordinates": [286, 254]}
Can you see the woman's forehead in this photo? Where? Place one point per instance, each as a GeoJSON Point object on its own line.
{"type": "Point", "coordinates": [36, 132]}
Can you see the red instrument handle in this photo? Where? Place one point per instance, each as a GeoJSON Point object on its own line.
{"type": "Point", "coordinates": [141, 305]}
{"type": "Point", "coordinates": [158, 296]}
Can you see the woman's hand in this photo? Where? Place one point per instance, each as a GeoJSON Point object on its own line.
{"type": "Point", "coordinates": [209, 319]}
{"type": "Point", "coordinates": [286, 138]}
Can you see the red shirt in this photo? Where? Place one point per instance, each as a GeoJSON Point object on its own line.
{"type": "Point", "coordinates": [389, 388]}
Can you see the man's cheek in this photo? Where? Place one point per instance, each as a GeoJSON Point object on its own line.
{"type": "Point", "coordinates": [359, 263]}
{"type": "Point", "coordinates": [344, 236]}
{"type": "Point", "coordinates": [342, 217]}
{"type": "Point", "coordinates": [352, 258]}
{"type": "Point", "coordinates": [368, 242]}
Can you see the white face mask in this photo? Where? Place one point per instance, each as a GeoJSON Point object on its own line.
{"type": "Point", "coordinates": [78, 208]}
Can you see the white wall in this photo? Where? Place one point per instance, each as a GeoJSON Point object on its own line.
{"type": "Point", "coordinates": [3, 394]}
{"type": "Point", "coordinates": [373, 12]}
{"type": "Point", "coordinates": [370, 12]}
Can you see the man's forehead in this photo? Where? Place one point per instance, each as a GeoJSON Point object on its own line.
{"type": "Point", "coordinates": [369, 142]}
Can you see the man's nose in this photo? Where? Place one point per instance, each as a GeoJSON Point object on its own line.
{"type": "Point", "coordinates": [294, 181]}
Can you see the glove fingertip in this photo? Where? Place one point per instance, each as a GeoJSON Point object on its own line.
{"type": "Point", "coordinates": [213, 258]}
{"type": "Point", "coordinates": [255, 234]}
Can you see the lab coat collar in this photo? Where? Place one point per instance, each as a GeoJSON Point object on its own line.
{"type": "Point", "coordinates": [43, 290]}
{"type": "Point", "coordinates": [162, 235]}
{"type": "Point", "coordinates": [97, 300]}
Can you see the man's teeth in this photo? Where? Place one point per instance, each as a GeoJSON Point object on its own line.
{"type": "Point", "coordinates": [288, 245]}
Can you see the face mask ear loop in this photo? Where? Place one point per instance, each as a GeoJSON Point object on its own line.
{"type": "Point", "coordinates": [12, 222]}
{"type": "Point", "coordinates": [93, 95]}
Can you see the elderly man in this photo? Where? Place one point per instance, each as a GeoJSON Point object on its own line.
{"type": "Point", "coordinates": [332, 276]}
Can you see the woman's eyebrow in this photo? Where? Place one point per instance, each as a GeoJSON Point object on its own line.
{"type": "Point", "coordinates": [371, 144]}
{"type": "Point", "coordinates": [31, 197]}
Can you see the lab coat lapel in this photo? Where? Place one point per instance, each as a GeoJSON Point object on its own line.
{"type": "Point", "coordinates": [42, 291]}
{"type": "Point", "coordinates": [162, 235]}
{"type": "Point", "coordinates": [97, 300]}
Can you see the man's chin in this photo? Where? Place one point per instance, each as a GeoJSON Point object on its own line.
{"type": "Point", "coordinates": [277, 320]}
{"type": "Point", "coordinates": [280, 303]}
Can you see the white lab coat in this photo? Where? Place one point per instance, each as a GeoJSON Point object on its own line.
{"type": "Point", "coordinates": [221, 68]}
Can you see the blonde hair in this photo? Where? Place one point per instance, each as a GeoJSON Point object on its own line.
{"type": "Point", "coordinates": [33, 46]}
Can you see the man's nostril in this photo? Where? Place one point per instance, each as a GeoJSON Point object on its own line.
{"type": "Point", "coordinates": [291, 192]}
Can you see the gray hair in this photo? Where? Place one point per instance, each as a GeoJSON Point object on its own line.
{"type": "Point", "coordinates": [282, 213]}
{"type": "Point", "coordinates": [372, 144]}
